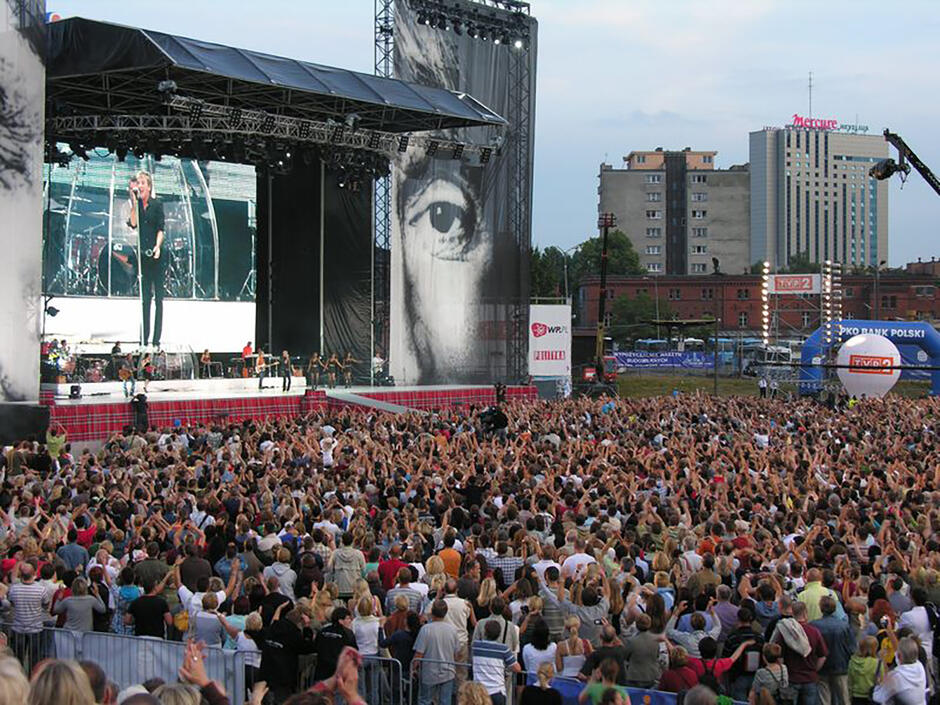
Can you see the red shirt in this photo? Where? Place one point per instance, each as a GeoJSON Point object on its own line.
{"type": "Point", "coordinates": [246, 351]}
{"type": "Point", "coordinates": [676, 679]}
{"type": "Point", "coordinates": [388, 572]}
{"type": "Point", "coordinates": [86, 537]}
{"type": "Point", "coordinates": [718, 666]}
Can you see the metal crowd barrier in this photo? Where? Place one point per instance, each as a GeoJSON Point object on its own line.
{"type": "Point", "coordinates": [128, 660]}
{"type": "Point", "coordinates": [452, 669]}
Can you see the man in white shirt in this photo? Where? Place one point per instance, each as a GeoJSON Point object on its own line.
{"type": "Point", "coordinates": [546, 560]}
{"type": "Point", "coordinates": [459, 612]}
{"type": "Point", "coordinates": [577, 561]}
{"type": "Point", "coordinates": [906, 683]}
{"type": "Point", "coordinates": [918, 622]}
{"type": "Point", "coordinates": [327, 444]}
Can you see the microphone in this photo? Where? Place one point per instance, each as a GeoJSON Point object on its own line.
{"type": "Point", "coordinates": [136, 191]}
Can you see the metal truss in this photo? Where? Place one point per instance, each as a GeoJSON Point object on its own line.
{"type": "Point", "coordinates": [382, 236]}
{"type": "Point", "coordinates": [209, 120]}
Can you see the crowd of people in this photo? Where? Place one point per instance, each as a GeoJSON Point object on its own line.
{"type": "Point", "coordinates": [776, 552]}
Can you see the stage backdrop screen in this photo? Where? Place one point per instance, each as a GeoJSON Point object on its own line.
{"type": "Point", "coordinates": [93, 262]}
{"type": "Point", "coordinates": [459, 274]}
{"type": "Point", "coordinates": [22, 84]}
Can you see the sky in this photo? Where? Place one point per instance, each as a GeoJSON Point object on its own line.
{"type": "Point", "coordinates": [620, 75]}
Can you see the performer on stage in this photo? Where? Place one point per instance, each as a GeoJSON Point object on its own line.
{"type": "Point", "coordinates": [127, 376]}
{"type": "Point", "coordinates": [246, 359]}
{"type": "Point", "coordinates": [285, 371]}
{"type": "Point", "coordinates": [145, 369]}
{"type": "Point", "coordinates": [147, 213]}
{"type": "Point", "coordinates": [205, 361]}
{"type": "Point", "coordinates": [314, 367]}
{"type": "Point", "coordinates": [331, 367]}
{"type": "Point", "coordinates": [347, 365]}
{"type": "Point", "coordinates": [260, 368]}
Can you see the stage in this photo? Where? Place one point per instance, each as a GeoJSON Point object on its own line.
{"type": "Point", "coordinates": [103, 410]}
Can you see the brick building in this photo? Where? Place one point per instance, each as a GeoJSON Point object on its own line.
{"type": "Point", "coordinates": [737, 301]}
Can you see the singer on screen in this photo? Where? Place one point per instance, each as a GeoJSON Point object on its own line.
{"type": "Point", "coordinates": [147, 212]}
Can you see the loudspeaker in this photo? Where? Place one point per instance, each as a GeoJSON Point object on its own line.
{"type": "Point", "coordinates": [75, 391]}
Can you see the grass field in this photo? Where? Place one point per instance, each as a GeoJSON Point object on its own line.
{"type": "Point", "coordinates": [649, 385]}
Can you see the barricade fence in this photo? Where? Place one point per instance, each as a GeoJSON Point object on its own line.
{"type": "Point", "coordinates": [128, 660]}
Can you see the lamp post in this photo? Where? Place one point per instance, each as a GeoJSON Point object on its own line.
{"type": "Point", "coordinates": [717, 265]}
{"type": "Point", "coordinates": [877, 302]}
{"type": "Point", "coordinates": [605, 222]}
{"type": "Point", "coordinates": [565, 261]}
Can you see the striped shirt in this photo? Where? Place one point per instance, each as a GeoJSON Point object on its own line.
{"type": "Point", "coordinates": [415, 599]}
{"type": "Point", "coordinates": [491, 661]}
{"type": "Point", "coordinates": [30, 606]}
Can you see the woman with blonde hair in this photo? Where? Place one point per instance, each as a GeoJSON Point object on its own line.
{"type": "Point", "coordinates": [434, 568]}
{"type": "Point", "coordinates": [322, 609]}
{"type": "Point", "coordinates": [541, 693]}
{"type": "Point", "coordinates": [473, 693]}
{"type": "Point", "coordinates": [14, 688]}
{"type": "Point", "coordinates": [360, 590]}
{"type": "Point", "coordinates": [59, 682]}
{"type": "Point", "coordinates": [572, 651]}
{"type": "Point", "coordinates": [178, 694]}
{"type": "Point", "coordinates": [864, 667]}
{"type": "Point", "coordinates": [481, 605]}
{"type": "Point", "coordinates": [366, 626]}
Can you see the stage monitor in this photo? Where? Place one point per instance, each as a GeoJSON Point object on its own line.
{"type": "Point", "coordinates": [97, 259]}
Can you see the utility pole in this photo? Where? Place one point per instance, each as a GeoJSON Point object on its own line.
{"type": "Point", "coordinates": [717, 267]}
{"type": "Point", "coordinates": [605, 222]}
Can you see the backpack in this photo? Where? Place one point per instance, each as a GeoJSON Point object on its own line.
{"type": "Point", "coordinates": [709, 679]}
{"type": "Point", "coordinates": [786, 693]}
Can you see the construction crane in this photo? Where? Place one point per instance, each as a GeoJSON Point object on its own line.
{"type": "Point", "coordinates": [906, 158]}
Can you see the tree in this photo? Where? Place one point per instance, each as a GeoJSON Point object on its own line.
{"type": "Point", "coordinates": [621, 258]}
{"type": "Point", "coordinates": [630, 317]}
{"type": "Point", "coordinates": [547, 272]}
{"type": "Point", "coordinates": [800, 263]}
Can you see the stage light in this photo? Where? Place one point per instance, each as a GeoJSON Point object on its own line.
{"type": "Point", "coordinates": [79, 150]}
{"type": "Point", "coordinates": [473, 31]}
{"type": "Point", "coordinates": [195, 110]}
{"type": "Point", "coordinates": [121, 153]}
{"type": "Point", "coordinates": [518, 44]}
{"type": "Point", "coordinates": [458, 151]}
{"type": "Point", "coordinates": [884, 169]}
{"type": "Point", "coordinates": [235, 115]}
{"type": "Point", "coordinates": [485, 155]}
{"type": "Point", "coordinates": [267, 124]}
{"type": "Point", "coordinates": [458, 28]}
{"type": "Point", "coordinates": [337, 134]}
{"type": "Point", "coordinates": [374, 140]}
{"type": "Point", "coordinates": [352, 121]}
{"type": "Point", "coordinates": [421, 18]}
{"type": "Point", "coordinates": [304, 129]}
{"type": "Point", "coordinates": [403, 143]}
{"type": "Point", "coordinates": [52, 311]}
{"type": "Point", "coordinates": [432, 148]}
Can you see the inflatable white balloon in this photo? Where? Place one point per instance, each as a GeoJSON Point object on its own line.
{"type": "Point", "coordinates": [868, 355]}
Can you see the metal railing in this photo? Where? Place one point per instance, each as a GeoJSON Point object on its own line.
{"type": "Point", "coordinates": [445, 693]}
{"type": "Point", "coordinates": [128, 660]}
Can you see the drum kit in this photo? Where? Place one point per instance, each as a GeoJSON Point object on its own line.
{"type": "Point", "coordinates": [93, 268]}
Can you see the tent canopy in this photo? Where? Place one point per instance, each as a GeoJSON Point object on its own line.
{"type": "Point", "coordinates": [101, 68]}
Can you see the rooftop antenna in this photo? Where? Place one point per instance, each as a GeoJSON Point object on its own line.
{"type": "Point", "coordinates": [811, 94]}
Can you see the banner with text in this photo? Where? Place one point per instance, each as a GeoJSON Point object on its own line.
{"type": "Point", "coordinates": [781, 284]}
{"type": "Point", "coordinates": [549, 340]}
{"type": "Point", "coordinates": [675, 360]}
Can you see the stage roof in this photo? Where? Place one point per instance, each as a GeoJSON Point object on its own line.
{"type": "Point", "coordinates": [102, 68]}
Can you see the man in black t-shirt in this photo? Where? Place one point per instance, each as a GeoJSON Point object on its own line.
{"type": "Point", "coordinates": [147, 218]}
{"type": "Point", "coordinates": [149, 613]}
{"type": "Point", "coordinates": [330, 642]}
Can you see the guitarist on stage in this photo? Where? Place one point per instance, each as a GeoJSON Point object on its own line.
{"type": "Point", "coordinates": [260, 367]}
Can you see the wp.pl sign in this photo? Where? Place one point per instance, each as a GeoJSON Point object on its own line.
{"type": "Point", "coordinates": [782, 284]}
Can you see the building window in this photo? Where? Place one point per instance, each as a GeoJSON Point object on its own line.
{"type": "Point", "coordinates": [654, 267]}
{"type": "Point", "coordinates": [848, 290]}
{"type": "Point", "coordinates": [698, 215]}
{"type": "Point", "coordinates": [699, 232]}
{"type": "Point", "coordinates": [699, 249]}
{"type": "Point", "coordinates": [675, 294]}
{"type": "Point", "coordinates": [654, 178]}
{"type": "Point", "coordinates": [654, 196]}
{"type": "Point", "coordinates": [889, 302]}
{"type": "Point", "coordinates": [699, 179]}
{"type": "Point", "coordinates": [640, 159]}
{"type": "Point", "coordinates": [923, 291]}
{"type": "Point", "coordinates": [805, 319]}
{"type": "Point", "coordinates": [742, 319]}
{"type": "Point", "coordinates": [698, 268]}
{"type": "Point", "coordinates": [608, 319]}
{"type": "Point", "coordinates": [699, 196]}
{"type": "Point", "coordinates": [708, 294]}
{"type": "Point", "coordinates": [654, 232]}
{"type": "Point", "coordinates": [653, 250]}
{"type": "Point", "coordinates": [654, 215]}
{"type": "Point", "coordinates": [707, 159]}
{"type": "Point", "coordinates": [744, 293]}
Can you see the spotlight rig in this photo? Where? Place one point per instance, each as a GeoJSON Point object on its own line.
{"type": "Point", "coordinates": [505, 21]}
